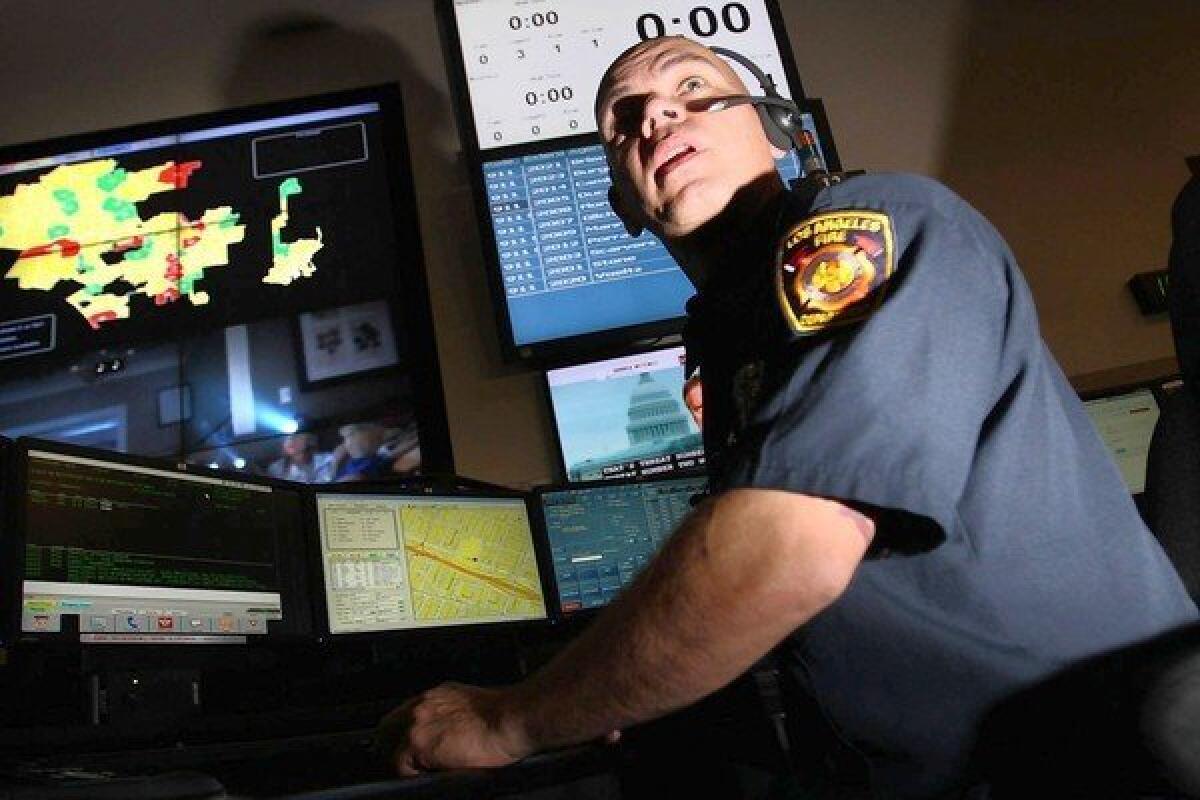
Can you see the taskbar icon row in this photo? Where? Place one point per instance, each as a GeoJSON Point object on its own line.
{"type": "Point", "coordinates": [147, 624]}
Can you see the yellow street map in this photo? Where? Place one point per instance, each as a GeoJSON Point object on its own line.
{"type": "Point", "coordinates": [468, 563]}
{"type": "Point", "coordinates": [80, 224]}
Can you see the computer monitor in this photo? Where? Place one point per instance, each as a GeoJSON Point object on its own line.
{"type": "Point", "coordinates": [601, 535]}
{"type": "Point", "coordinates": [123, 550]}
{"type": "Point", "coordinates": [202, 287]}
{"type": "Point", "coordinates": [565, 272]}
{"type": "Point", "coordinates": [527, 73]}
{"type": "Point", "coordinates": [1125, 419]}
{"type": "Point", "coordinates": [130, 235]}
{"type": "Point", "coordinates": [624, 417]}
{"type": "Point", "coordinates": [400, 562]}
{"type": "Point", "coordinates": [564, 275]}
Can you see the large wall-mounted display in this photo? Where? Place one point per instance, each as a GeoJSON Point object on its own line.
{"type": "Point", "coordinates": [565, 276]}
{"type": "Point", "coordinates": [241, 262]}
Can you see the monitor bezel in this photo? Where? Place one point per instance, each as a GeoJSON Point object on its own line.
{"type": "Point", "coordinates": [421, 489]}
{"type": "Point", "coordinates": [410, 305]}
{"type": "Point", "coordinates": [294, 591]}
{"type": "Point", "coordinates": [543, 534]}
{"type": "Point", "coordinates": [10, 588]}
{"type": "Point", "coordinates": [547, 351]}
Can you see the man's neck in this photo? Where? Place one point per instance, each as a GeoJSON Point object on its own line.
{"type": "Point", "coordinates": [728, 235]}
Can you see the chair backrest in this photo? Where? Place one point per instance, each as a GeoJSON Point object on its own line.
{"type": "Point", "coordinates": [1172, 500]}
{"type": "Point", "coordinates": [1173, 468]}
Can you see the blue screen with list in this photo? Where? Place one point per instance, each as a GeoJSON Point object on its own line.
{"type": "Point", "coordinates": [567, 265]}
{"type": "Point", "coordinates": [602, 536]}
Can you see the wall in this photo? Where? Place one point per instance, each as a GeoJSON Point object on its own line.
{"type": "Point", "coordinates": [1070, 123]}
{"type": "Point", "coordinates": [971, 92]}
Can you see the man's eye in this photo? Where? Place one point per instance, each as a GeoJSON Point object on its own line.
{"type": "Point", "coordinates": [691, 85]}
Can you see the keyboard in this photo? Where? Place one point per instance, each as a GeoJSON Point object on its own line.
{"type": "Point", "coordinates": [337, 766]}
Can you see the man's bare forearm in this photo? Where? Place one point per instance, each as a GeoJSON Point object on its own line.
{"type": "Point", "coordinates": [730, 584]}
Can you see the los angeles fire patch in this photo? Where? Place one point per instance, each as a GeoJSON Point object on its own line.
{"type": "Point", "coordinates": [832, 269]}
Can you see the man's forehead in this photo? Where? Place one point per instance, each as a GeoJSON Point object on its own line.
{"type": "Point", "coordinates": [653, 56]}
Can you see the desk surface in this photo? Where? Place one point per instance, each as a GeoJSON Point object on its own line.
{"type": "Point", "coordinates": [297, 774]}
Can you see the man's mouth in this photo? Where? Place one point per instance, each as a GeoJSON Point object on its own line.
{"type": "Point", "coordinates": [679, 156]}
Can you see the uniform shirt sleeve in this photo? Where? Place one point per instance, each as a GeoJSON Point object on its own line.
{"type": "Point", "coordinates": [888, 413]}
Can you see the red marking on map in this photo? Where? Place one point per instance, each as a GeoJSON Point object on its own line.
{"type": "Point", "coordinates": [178, 174]}
{"type": "Point", "coordinates": [174, 268]}
{"type": "Point", "coordinates": [96, 319]}
{"type": "Point", "coordinates": [132, 243]}
{"type": "Point", "coordinates": [167, 296]}
{"type": "Point", "coordinates": [190, 241]}
{"type": "Point", "coordinates": [66, 248]}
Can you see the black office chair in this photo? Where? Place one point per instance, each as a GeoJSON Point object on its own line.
{"type": "Point", "coordinates": [1172, 501]}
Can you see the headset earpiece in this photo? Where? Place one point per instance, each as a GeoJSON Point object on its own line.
{"type": "Point", "coordinates": [781, 119]}
{"type": "Point", "coordinates": [779, 124]}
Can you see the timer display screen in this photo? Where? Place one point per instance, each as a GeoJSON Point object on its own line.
{"type": "Point", "coordinates": [533, 66]}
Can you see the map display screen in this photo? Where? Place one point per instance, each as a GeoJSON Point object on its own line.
{"type": "Point", "coordinates": [397, 562]}
{"type": "Point", "coordinates": [135, 239]}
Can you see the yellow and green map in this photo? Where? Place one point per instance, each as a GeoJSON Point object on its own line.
{"type": "Point", "coordinates": [470, 564]}
{"type": "Point", "coordinates": [80, 224]}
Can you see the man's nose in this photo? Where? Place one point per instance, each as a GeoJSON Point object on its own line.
{"type": "Point", "coordinates": [660, 111]}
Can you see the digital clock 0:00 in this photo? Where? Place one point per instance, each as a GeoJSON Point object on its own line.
{"type": "Point", "coordinates": [702, 19]}
{"type": "Point", "coordinates": [552, 95]}
{"type": "Point", "coordinates": [536, 20]}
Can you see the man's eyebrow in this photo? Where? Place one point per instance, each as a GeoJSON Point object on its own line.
{"type": "Point", "coordinates": [661, 63]}
{"type": "Point", "coordinates": [664, 61]}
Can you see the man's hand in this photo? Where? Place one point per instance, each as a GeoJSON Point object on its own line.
{"type": "Point", "coordinates": [452, 726]}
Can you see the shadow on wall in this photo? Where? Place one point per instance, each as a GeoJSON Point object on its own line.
{"type": "Point", "coordinates": [294, 55]}
{"type": "Point", "coordinates": [1068, 130]}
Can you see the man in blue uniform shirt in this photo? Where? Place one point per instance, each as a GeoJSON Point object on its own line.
{"type": "Point", "coordinates": [908, 494]}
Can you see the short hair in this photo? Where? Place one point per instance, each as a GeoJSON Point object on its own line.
{"type": "Point", "coordinates": [359, 427]}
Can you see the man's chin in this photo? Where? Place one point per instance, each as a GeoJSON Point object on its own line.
{"type": "Point", "coordinates": [689, 212]}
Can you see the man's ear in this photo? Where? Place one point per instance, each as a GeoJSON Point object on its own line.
{"type": "Point", "coordinates": [616, 199]}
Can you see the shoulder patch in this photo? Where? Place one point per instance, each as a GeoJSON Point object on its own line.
{"type": "Point", "coordinates": [832, 269]}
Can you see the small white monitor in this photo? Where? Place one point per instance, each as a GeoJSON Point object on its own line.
{"type": "Point", "coordinates": [624, 417]}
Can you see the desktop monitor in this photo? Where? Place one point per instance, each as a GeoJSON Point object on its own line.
{"type": "Point", "coordinates": [624, 417]}
{"type": "Point", "coordinates": [192, 224]}
{"type": "Point", "coordinates": [400, 562]}
{"type": "Point", "coordinates": [565, 273]}
{"type": "Point", "coordinates": [123, 550]}
{"type": "Point", "coordinates": [1125, 420]}
{"type": "Point", "coordinates": [202, 287]}
{"type": "Point", "coordinates": [601, 535]}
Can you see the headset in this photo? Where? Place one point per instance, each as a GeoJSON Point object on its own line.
{"type": "Point", "coordinates": [782, 121]}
